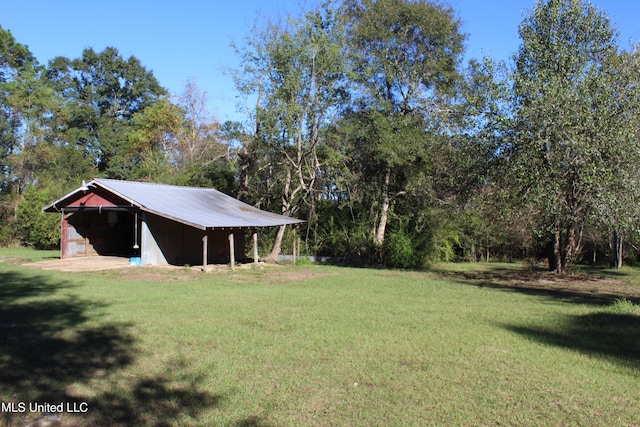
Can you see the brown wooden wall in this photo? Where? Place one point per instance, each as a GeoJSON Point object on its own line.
{"type": "Point", "coordinates": [181, 244]}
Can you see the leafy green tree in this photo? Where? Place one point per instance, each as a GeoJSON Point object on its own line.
{"type": "Point", "coordinates": [198, 141]}
{"type": "Point", "coordinates": [237, 139]}
{"type": "Point", "coordinates": [295, 72]}
{"type": "Point", "coordinates": [27, 145]}
{"type": "Point", "coordinates": [151, 139]}
{"type": "Point", "coordinates": [404, 57]}
{"type": "Point", "coordinates": [102, 92]}
{"type": "Point", "coordinates": [478, 202]}
{"type": "Point", "coordinates": [619, 196]}
{"type": "Point", "coordinates": [15, 59]}
{"type": "Point", "coordinates": [39, 229]}
{"type": "Point", "coordinates": [567, 149]}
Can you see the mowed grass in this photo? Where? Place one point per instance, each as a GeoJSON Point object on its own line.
{"type": "Point", "coordinates": [484, 344]}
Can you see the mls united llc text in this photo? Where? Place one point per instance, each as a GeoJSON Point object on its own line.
{"type": "Point", "coordinates": [45, 407]}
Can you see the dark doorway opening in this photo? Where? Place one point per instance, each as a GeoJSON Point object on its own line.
{"type": "Point", "coordinates": [101, 232]}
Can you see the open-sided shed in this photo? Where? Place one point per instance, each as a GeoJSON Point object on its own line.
{"type": "Point", "coordinates": [157, 223]}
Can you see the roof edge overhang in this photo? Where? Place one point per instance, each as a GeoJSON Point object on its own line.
{"type": "Point", "coordinates": [137, 206]}
{"type": "Point", "coordinates": [99, 208]}
{"type": "Point", "coordinates": [112, 191]}
{"type": "Point", "coordinates": [253, 227]}
{"type": "Point", "coordinates": [222, 227]}
{"type": "Point", "coordinates": [53, 207]}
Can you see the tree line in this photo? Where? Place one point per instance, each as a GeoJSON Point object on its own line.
{"type": "Point", "coordinates": [364, 121]}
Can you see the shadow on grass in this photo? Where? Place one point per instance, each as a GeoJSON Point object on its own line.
{"type": "Point", "coordinates": [51, 340]}
{"type": "Point", "coordinates": [574, 289]}
{"type": "Point", "coordinates": [253, 421]}
{"type": "Point", "coordinates": [613, 336]}
{"type": "Point", "coordinates": [163, 400]}
{"type": "Point", "coordinates": [603, 272]}
{"type": "Point", "coordinates": [604, 333]}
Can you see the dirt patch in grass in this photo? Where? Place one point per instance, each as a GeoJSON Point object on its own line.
{"type": "Point", "coordinates": [282, 277]}
{"type": "Point", "coordinates": [71, 265]}
{"type": "Point", "coordinates": [160, 274]}
{"type": "Point", "coordinates": [579, 283]}
{"type": "Point", "coordinates": [154, 276]}
{"type": "Point", "coordinates": [268, 274]}
{"type": "Point", "coordinates": [596, 287]}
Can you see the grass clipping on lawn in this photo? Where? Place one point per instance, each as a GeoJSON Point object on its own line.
{"type": "Point", "coordinates": [480, 344]}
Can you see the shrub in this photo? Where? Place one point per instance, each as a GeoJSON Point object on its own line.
{"type": "Point", "coordinates": [398, 250]}
{"type": "Point", "coordinates": [38, 229]}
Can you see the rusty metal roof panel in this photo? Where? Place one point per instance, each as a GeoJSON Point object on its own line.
{"type": "Point", "coordinates": [199, 207]}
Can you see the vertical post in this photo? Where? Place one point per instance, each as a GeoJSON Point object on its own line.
{"type": "Point", "coordinates": [255, 247]}
{"type": "Point", "coordinates": [63, 237]}
{"type": "Point", "coordinates": [147, 253]}
{"type": "Point", "coordinates": [232, 254]}
{"type": "Point", "coordinates": [293, 231]}
{"type": "Point", "coordinates": [205, 245]}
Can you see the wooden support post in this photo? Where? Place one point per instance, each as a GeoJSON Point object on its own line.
{"type": "Point", "coordinates": [255, 247]}
{"type": "Point", "coordinates": [63, 237]}
{"type": "Point", "coordinates": [232, 254]}
{"type": "Point", "coordinates": [205, 246]}
{"type": "Point", "coordinates": [294, 244]}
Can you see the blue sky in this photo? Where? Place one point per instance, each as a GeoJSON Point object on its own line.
{"type": "Point", "coordinates": [191, 39]}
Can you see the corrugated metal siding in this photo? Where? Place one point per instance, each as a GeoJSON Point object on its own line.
{"type": "Point", "coordinates": [199, 207]}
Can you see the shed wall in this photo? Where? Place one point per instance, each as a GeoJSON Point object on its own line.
{"type": "Point", "coordinates": [169, 242]}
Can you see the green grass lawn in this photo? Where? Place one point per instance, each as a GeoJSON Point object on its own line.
{"type": "Point", "coordinates": [464, 344]}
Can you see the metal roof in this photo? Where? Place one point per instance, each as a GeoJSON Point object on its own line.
{"type": "Point", "coordinates": [199, 207]}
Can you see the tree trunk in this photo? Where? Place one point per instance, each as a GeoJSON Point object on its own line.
{"type": "Point", "coordinates": [286, 205]}
{"type": "Point", "coordinates": [565, 245]}
{"type": "Point", "coordinates": [384, 210]}
{"type": "Point", "coordinates": [616, 244]}
{"type": "Point", "coordinates": [554, 259]}
{"type": "Point", "coordinates": [619, 251]}
{"type": "Point", "coordinates": [244, 160]}
{"type": "Point", "coordinates": [277, 244]}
